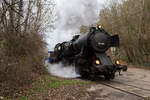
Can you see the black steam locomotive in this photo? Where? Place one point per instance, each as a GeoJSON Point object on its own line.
{"type": "Point", "coordinates": [88, 54]}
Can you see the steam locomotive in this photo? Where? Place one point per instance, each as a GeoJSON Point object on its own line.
{"type": "Point", "coordinates": [88, 54]}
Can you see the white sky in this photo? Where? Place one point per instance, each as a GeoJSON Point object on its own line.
{"type": "Point", "coordinates": [101, 1]}
{"type": "Point", "coordinates": [70, 15]}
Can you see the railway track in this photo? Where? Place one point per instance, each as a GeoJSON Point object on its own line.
{"type": "Point", "coordinates": [131, 85]}
{"type": "Point", "coordinates": [144, 95]}
{"type": "Point", "coordinates": [140, 92]}
{"type": "Point", "coordinates": [122, 90]}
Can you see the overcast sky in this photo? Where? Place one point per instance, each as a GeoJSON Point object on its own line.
{"type": "Point", "coordinates": [70, 15]}
{"type": "Point", "coordinates": [101, 1]}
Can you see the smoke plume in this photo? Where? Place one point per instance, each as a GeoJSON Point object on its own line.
{"type": "Point", "coordinates": [68, 16]}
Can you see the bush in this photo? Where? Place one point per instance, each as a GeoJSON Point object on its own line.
{"type": "Point", "coordinates": [21, 63]}
{"type": "Point", "coordinates": [21, 44]}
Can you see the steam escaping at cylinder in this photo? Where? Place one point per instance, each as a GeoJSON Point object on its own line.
{"type": "Point", "coordinates": [61, 71]}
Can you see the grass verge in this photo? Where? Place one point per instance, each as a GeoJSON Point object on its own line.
{"type": "Point", "coordinates": [43, 85]}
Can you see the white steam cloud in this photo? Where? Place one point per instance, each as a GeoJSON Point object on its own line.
{"type": "Point", "coordinates": [68, 16]}
{"type": "Point", "coordinates": [63, 71]}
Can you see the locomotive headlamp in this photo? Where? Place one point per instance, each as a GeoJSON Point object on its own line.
{"type": "Point", "coordinates": [59, 48]}
{"type": "Point", "coordinates": [100, 26]}
{"type": "Point", "coordinates": [117, 62]}
{"type": "Point", "coordinates": [97, 62]}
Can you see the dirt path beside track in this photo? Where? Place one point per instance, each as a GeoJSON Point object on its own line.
{"type": "Point", "coordinates": [131, 85]}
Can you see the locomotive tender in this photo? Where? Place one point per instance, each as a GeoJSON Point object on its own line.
{"type": "Point", "coordinates": [88, 54]}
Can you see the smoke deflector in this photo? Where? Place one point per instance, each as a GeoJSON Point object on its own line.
{"type": "Point", "coordinates": [114, 41]}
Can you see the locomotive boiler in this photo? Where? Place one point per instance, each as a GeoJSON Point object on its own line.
{"type": "Point", "coordinates": [87, 53]}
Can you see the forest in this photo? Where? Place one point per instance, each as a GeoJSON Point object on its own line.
{"type": "Point", "coordinates": [131, 20]}
{"type": "Point", "coordinates": [23, 45]}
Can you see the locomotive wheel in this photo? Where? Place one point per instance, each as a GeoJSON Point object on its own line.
{"type": "Point", "coordinates": [83, 74]}
{"type": "Point", "coordinates": [107, 77]}
{"type": "Point", "coordinates": [81, 67]}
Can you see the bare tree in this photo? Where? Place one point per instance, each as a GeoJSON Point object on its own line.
{"type": "Point", "coordinates": [130, 19]}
